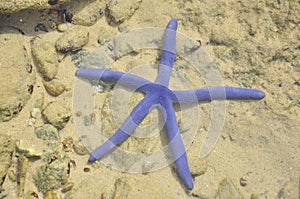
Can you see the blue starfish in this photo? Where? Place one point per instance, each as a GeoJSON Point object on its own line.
{"type": "Point", "coordinates": [159, 95]}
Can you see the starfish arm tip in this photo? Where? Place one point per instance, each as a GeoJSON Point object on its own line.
{"type": "Point", "coordinates": [88, 73]}
{"type": "Point", "coordinates": [190, 185]}
{"type": "Point", "coordinates": [92, 159]}
{"type": "Point", "coordinates": [172, 24]}
{"type": "Point", "coordinates": [78, 72]}
{"type": "Point", "coordinates": [260, 95]}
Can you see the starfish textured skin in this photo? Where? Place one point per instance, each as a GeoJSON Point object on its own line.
{"type": "Point", "coordinates": [158, 95]}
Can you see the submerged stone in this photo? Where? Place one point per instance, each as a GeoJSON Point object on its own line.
{"type": "Point", "coordinates": [73, 40]}
{"type": "Point", "coordinates": [7, 147]}
{"type": "Point", "coordinates": [227, 189]}
{"type": "Point", "coordinates": [47, 132]}
{"type": "Point", "coordinates": [45, 58]}
{"type": "Point", "coordinates": [57, 114]}
{"type": "Point", "coordinates": [17, 78]}
{"type": "Point", "coordinates": [49, 177]}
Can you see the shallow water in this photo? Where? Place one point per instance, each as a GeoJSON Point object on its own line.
{"type": "Point", "coordinates": [258, 149]}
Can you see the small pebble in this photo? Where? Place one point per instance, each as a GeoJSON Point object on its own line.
{"type": "Point", "coordinates": [35, 113]}
{"type": "Point", "coordinates": [78, 113]}
{"type": "Point", "coordinates": [86, 169]}
{"type": "Point", "coordinates": [89, 119]}
{"type": "Point", "coordinates": [103, 36]}
{"type": "Point", "coordinates": [68, 144]}
{"type": "Point", "coordinates": [50, 195]}
{"type": "Point", "coordinates": [54, 87]}
{"type": "Point", "coordinates": [72, 164]}
{"type": "Point", "coordinates": [52, 2]}
{"type": "Point", "coordinates": [69, 17]}
{"type": "Point", "coordinates": [31, 195]}
{"type": "Point", "coordinates": [80, 149]}
{"type": "Point", "coordinates": [34, 194]}
{"type": "Point", "coordinates": [40, 27]}
{"type": "Point", "coordinates": [67, 187]}
{"type": "Point", "coordinates": [29, 68]}
{"type": "Point", "coordinates": [243, 181]}
{"type": "Point", "coordinates": [53, 26]}
{"type": "Point", "coordinates": [63, 27]}
{"type": "Point", "coordinates": [31, 121]}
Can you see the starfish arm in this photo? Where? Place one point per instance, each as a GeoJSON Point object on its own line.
{"type": "Point", "coordinates": [125, 79]}
{"type": "Point", "coordinates": [176, 144]}
{"type": "Point", "coordinates": [168, 54]}
{"type": "Point", "coordinates": [218, 93]}
{"type": "Point", "coordinates": [137, 115]}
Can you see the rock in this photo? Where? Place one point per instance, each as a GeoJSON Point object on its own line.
{"type": "Point", "coordinates": [67, 187]}
{"type": "Point", "coordinates": [79, 57]}
{"type": "Point", "coordinates": [49, 177]}
{"type": "Point", "coordinates": [80, 149]}
{"type": "Point", "coordinates": [86, 13]}
{"type": "Point", "coordinates": [288, 190]}
{"type": "Point", "coordinates": [29, 151]}
{"type": "Point", "coordinates": [50, 195]}
{"type": "Point", "coordinates": [198, 166]}
{"type": "Point", "coordinates": [45, 57]}
{"type": "Point", "coordinates": [17, 78]}
{"type": "Point", "coordinates": [226, 34]}
{"type": "Point", "coordinates": [122, 188]}
{"type": "Point", "coordinates": [72, 40]}
{"type": "Point", "coordinates": [7, 147]}
{"type": "Point", "coordinates": [23, 164]}
{"type": "Point", "coordinates": [119, 11]}
{"type": "Point", "coordinates": [8, 6]}
{"type": "Point", "coordinates": [63, 27]}
{"type": "Point", "coordinates": [103, 35]}
{"type": "Point", "coordinates": [227, 189]}
{"type": "Point", "coordinates": [31, 121]}
{"type": "Point", "coordinates": [54, 87]}
{"type": "Point", "coordinates": [68, 144]}
{"type": "Point", "coordinates": [35, 113]}
{"type": "Point", "coordinates": [47, 132]}
{"type": "Point", "coordinates": [57, 114]}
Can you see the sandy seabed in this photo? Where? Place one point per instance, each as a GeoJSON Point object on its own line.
{"type": "Point", "coordinates": [254, 44]}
